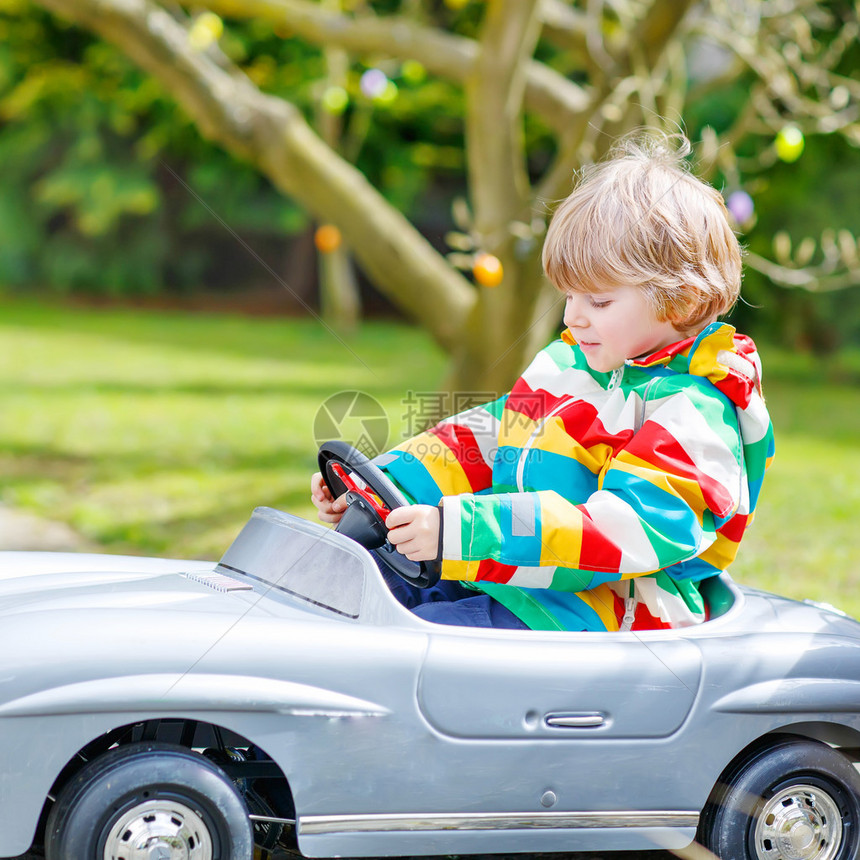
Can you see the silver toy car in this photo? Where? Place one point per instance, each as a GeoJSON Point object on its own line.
{"type": "Point", "coordinates": [171, 709]}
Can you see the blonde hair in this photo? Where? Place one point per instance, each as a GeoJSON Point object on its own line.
{"type": "Point", "coordinates": [641, 218]}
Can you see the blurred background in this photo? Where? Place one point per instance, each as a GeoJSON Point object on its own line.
{"type": "Point", "coordinates": [216, 215]}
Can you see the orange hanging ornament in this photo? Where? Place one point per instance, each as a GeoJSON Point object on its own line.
{"type": "Point", "coordinates": [327, 238]}
{"type": "Point", "coordinates": [488, 270]}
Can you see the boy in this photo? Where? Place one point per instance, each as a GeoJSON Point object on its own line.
{"type": "Point", "coordinates": [624, 465]}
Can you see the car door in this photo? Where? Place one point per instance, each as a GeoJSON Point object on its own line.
{"type": "Point", "coordinates": [518, 684]}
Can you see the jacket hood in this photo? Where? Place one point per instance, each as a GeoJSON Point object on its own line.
{"type": "Point", "coordinates": [731, 363]}
{"type": "Point", "coordinates": [719, 354]}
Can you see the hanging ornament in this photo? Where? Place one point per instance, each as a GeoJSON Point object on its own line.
{"type": "Point", "coordinates": [335, 100]}
{"type": "Point", "coordinates": [789, 143]}
{"type": "Point", "coordinates": [413, 72]}
{"type": "Point", "coordinates": [373, 83]}
{"type": "Point", "coordinates": [488, 270]}
{"type": "Point", "coordinates": [327, 238]}
{"type": "Point", "coordinates": [741, 206]}
{"type": "Point", "coordinates": [205, 31]}
{"type": "Point", "coordinates": [388, 95]}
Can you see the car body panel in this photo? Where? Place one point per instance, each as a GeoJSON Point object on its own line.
{"type": "Point", "coordinates": [188, 693]}
{"type": "Point", "coordinates": [517, 688]}
{"type": "Point", "coordinates": [398, 736]}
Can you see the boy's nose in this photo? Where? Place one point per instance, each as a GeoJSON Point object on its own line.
{"type": "Point", "coordinates": [574, 312]}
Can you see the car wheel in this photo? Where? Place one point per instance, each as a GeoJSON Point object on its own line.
{"type": "Point", "coordinates": [796, 800]}
{"type": "Point", "coordinates": [149, 800]}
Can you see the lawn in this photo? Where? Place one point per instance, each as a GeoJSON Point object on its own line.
{"type": "Point", "coordinates": [159, 432]}
{"type": "Point", "coordinates": [805, 541]}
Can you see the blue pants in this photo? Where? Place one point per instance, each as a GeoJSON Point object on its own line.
{"type": "Point", "coordinates": [450, 602]}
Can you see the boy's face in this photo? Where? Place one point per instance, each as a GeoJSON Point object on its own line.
{"type": "Point", "coordinates": [614, 325]}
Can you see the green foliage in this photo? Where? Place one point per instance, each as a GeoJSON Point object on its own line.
{"type": "Point", "coordinates": [805, 199]}
{"type": "Point", "coordinates": [804, 539]}
{"type": "Point", "coordinates": [407, 138]}
{"type": "Point", "coordinates": [93, 155]}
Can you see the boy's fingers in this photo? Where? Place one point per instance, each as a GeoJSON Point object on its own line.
{"type": "Point", "coordinates": [399, 536]}
{"type": "Point", "coordinates": [400, 516]}
{"type": "Point", "coordinates": [319, 489]}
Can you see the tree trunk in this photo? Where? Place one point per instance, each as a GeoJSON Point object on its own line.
{"type": "Point", "coordinates": [340, 304]}
{"type": "Point", "coordinates": [505, 329]}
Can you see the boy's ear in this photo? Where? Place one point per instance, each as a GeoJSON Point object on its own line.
{"type": "Point", "coordinates": [675, 315]}
{"type": "Point", "coordinates": [685, 310]}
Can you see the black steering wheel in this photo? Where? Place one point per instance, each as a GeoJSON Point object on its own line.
{"type": "Point", "coordinates": [370, 497]}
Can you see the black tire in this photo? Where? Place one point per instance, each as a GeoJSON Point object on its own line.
{"type": "Point", "coordinates": [794, 800]}
{"type": "Point", "coordinates": [174, 793]}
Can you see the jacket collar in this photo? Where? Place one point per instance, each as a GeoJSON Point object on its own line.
{"type": "Point", "coordinates": [655, 359]}
{"type": "Point", "coordinates": [717, 353]}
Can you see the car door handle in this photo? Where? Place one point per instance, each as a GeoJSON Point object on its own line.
{"type": "Point", "coordinates": [584, 720]}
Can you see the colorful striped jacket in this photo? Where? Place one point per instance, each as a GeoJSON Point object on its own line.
{"type": "Point", "coordinates": [581, 497]}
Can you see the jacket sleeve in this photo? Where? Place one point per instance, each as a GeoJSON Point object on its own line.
{"type": "Point", "coordinates": [659, 501]}
{"type": "Point", "coordinates": [453, 457]}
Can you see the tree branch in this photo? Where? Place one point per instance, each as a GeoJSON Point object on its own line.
{"type": "Point", "coordinates": [804, 278]}
{"type": "Point", "coordinates": [564, 25]}
{"type": "Point", "coordinates": [641, 52]}
{"type": "Point", "coordinates": [272, 134]}
{"type": "Point", "coordinates": [494, 135]}
{"type": "Point", "coordinates": [548, 94]}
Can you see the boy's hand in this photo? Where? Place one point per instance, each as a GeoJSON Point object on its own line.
{"type": "Point", "coordinates": [329, 509]}
{"type": "Point", "coordinates": [414, 531]}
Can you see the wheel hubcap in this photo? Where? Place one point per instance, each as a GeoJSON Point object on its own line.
{"type": "Point", "coordinates": [798, 823]}
{"type": "Point", "coordinates": [159, 830]}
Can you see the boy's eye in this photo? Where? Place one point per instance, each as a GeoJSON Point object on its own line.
{"type": "Point", "coordinates": [600, 303]}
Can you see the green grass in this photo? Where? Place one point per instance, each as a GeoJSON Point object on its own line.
{"type": "Point", "coordinates": [804, 541]}
{"type": "Point", "coordinates": [159, 432]}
